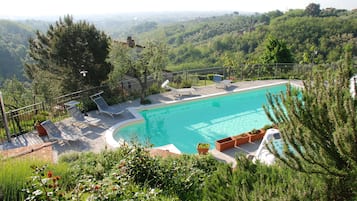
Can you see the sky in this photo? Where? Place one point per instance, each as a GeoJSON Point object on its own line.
{"type": "Point", "coordinates": [38, 8]}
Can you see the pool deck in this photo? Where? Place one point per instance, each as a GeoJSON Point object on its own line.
{"type": "Point", "coordinates": [93, 139]}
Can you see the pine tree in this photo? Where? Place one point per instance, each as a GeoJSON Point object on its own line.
{"type": "Point", "coordinates": [66, 49]}
{"type": "Point", "coordinates": [318, 124]}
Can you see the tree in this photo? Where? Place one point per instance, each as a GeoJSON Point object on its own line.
{"type": "Point", "coordinates": [66, 49]}
{"type": "Point", "coordinates": [16, 94]}
{"type": "Point", "coordinates": [231, 61]}
{"type": "Point", "coordinates": [310, 56]}
{"type": "Point", "coordinates": [274, 14]}
{"type": "Point", "coordinates": [139, 63]}
{"type": "Point", "coordinates": [319, 123]}
{"type": "Point", "coordinates": [313, 9]}
{"type": "Point", "coordinates": [276, 51]}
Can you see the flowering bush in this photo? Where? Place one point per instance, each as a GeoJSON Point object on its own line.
{"type": "Point", "coordinates": [129, 173]}
{"type": "Point", "coordinates": [43, 185]}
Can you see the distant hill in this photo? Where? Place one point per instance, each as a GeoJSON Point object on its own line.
{"type": "Point", "coordinates": [14, 34]}
{"type": "Point", "coordinates": [119, 26]}
{"type": "Point", "coordinates": [203, 41]}
{"type": "Point", "coordinates": [13, 46]}
{"type": "Point", "coordinates": [197, 40]}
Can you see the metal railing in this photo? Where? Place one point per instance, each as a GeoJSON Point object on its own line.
{"type": "Point", "coordinates": [23, 119]}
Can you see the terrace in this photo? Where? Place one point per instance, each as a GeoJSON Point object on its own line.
{"type": "Point", "coordinates": [93, 138]}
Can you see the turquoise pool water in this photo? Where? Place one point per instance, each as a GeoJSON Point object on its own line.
{"type": "Point", "coordinates": [204, 120]}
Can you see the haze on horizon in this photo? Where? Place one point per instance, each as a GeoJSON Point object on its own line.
{"type": "Point", "coordinates": [39, 8]}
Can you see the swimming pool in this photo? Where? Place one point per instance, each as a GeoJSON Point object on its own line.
{"type": "Point", "coordinates": [204, 120]}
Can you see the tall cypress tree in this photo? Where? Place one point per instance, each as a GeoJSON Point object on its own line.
{"type": "Point", "coordinates": [319, 124]}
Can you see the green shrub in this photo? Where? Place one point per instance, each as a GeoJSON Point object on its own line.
{"type": "Point", "coordinates": [210, 76]}
{"type": "Point", "coordinates": [40, 117]}
{"type": "Point", "coordinates": [154, 89]}
{"type": "Point", "coordinates": [260, 182]}
{"type": "Point", "coordinates": [132, 168]}
{"type": "Point", "coordinates": [87, 105]}
{"type": "Point", "coordinates": [131, 173]}
{"type": "Point", "coordinates": [203, 145]}
{"type": "Point", "coordinates": [186, 83]}
{"type": "Point", "coordinates": [125, 170]}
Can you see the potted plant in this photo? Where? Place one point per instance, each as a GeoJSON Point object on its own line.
{"type": "Point", "coordinates": [241, 139]}
{"type": "Point", "coordinates": [256, 134]}
{"type": "Point", "coordinates": [225, 143]}
{"type": "Point", "coordinates": [203, 148]}
{"type": "Point", "coordinates": [38, 119]}
{"type": "Point", "coordinates": [267, 126]}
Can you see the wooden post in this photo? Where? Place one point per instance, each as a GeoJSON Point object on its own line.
{"type": "Point", "coordinates": [3, 114]}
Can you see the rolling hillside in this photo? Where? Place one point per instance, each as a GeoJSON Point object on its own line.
{"type": "Point", "coordinates": [13, 46]}
{"type": "Point", "coordinates": [202, 40]}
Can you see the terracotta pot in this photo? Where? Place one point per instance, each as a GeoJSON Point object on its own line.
{"type": "Point", "coordinates": [241, 139]}
{"type": "Point", "coordinates": [41, 131]}
{"type": "Point", "coordinates": [225, 143]}
{"type": "Point", "coordinates": [257, 136]}
{"type": "Point", "coordinates": [202, 148]}
{"type": "Point", "coordinates": [202, 151]}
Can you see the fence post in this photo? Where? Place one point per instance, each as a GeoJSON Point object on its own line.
{"type": "Point", "coordinates": [43, 106]}
{"type": "Point", "coordinates": [3, 114]}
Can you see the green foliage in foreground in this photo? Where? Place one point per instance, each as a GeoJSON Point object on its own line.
{"type": "Point", "coordinates": [129, 173]}
{"type": "Point", "coordinates": [14, 173]}
{"type": "Point", "coordinates": [319, 124]}
{"type": "Point", "coordinates": [260, 182]}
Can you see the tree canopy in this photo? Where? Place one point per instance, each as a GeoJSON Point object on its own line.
{"type": "Point", "coordinates": [72, 53]}
{"type": "Point", "coordinates": [276, 51]}
{"type": "Point", "coordinates": [313, 9]}
{"type": "Point", "coordinates": [198, 43]}
{"type": "Point", "coordinates": [139, 62]}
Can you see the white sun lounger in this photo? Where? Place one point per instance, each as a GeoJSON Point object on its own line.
{"type": "Point", "coordinates": [178, 92]}
{"type": "Point", "coordinates": [55, 134]}
{"type": "Point", "coordinates": [220, 83]}
{"type": "Point", "coordinates": [263, 154]}
{"type": "Point", "coordinates": [103, 107]}
{"type": "Point", "coordinates": [79, 117]}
